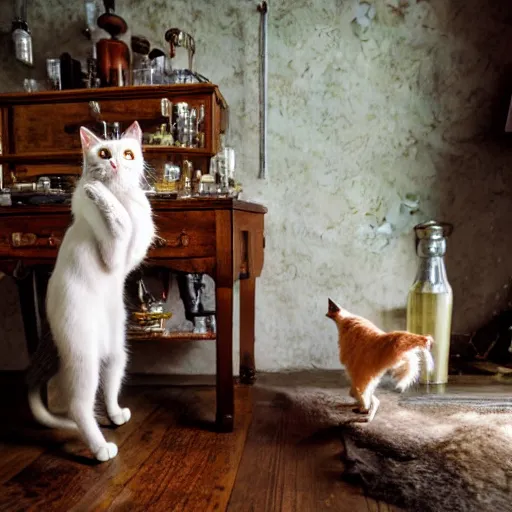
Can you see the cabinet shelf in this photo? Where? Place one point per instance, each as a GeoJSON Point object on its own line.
{"type": "Point", "coordinates": [172, 336]}
{"type": "Point", "coordinates": [76, 155]}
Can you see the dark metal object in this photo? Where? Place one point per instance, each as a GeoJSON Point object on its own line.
{"type": "Point", "coordinates": [71, 72]}
{"type": "Point", "coordinates": [179, 39]}
{"type": "Point", "coordinates": [263, 10]}
{"type": "Point", "coordinates": [140, 45]}
{"type": "Point", "coordinates": [191, 288]}
{"type": "Point", "coordinates": [155, 53]}
{"type": "Point", "coordinates": [247, 375]}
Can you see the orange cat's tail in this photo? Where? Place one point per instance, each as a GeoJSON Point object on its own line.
{"type": "Point", "coordinates": [407, 371]}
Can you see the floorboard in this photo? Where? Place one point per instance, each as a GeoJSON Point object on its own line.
{"type": "Point", "coordinates": [194, 470]}
{"type": "Point", "coordinates": [171, 459]}
{"type": "Point", "coordinates": [290, 467]}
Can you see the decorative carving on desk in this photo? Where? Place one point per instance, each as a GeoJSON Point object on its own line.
{"type": "Point", "coordinates": [182, 240]}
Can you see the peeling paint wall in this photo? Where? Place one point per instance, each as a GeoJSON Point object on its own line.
{"type": "Point", "coordinates": [405, 100]}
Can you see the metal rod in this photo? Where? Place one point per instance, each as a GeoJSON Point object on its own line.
{"type": "Point", "coordinates": [263, 10]}
{"type": "Point", "coordinates": [20, 9]}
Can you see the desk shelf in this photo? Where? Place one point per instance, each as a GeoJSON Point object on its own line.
{"type": "Point", "coordinates": [171, 336]}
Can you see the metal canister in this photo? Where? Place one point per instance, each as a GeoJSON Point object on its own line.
{"type": "Point", "coordinates": [43, 184]}
{"type": "Point", "coordinates": [22, 42]}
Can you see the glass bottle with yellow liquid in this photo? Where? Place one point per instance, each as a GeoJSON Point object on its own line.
{"type": "Point", "coordinates": [430, 300]}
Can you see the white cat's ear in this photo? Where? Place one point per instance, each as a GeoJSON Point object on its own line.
{"type": "Point", "coordinates": [88, 138]}
{"type": "Point", "coordinates": [133, 132]}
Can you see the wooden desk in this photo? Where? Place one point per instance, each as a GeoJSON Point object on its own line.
{"type": "Point", "coordinates": [221, 237]}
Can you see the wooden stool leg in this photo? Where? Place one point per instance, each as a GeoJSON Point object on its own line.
{"type": "Point", "coordinates": [224, 345]}
{"type": "Point", "coordinates": [247, 314]}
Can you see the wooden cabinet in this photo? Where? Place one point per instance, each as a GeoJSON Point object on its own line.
{"type": "Point", "coordinates": [221, 237]}
{"type": "Point", "coordinates": [39, 128]}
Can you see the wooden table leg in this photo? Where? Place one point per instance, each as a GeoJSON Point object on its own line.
{"type": "Point", "coordinates": [224, 346]}
{"type": "Point", "coordinates": [32, 284]}
{"type": "Point", "coordinates": [26, 281]}
{"type": "Point", "coordinates": [247, 315]}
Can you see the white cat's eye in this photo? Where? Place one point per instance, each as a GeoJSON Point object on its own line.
{"type": "Point", "coordinates": [128, 154]}
{"type": "Point", "coordinates": [105, 153]}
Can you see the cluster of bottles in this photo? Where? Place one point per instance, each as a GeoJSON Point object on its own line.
{"type": "Point", "coordinates": [185, 127]}
{"type": "Point", "coordinates": [186, 182]}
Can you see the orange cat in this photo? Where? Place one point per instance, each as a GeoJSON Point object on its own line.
{"type": "Point", "coordinates": [368, 353]}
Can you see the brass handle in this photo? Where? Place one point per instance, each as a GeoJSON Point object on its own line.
{"type": "Point", "coordinates": [182, 240]}
{"type": "Point", "coordinates": [19, 239]}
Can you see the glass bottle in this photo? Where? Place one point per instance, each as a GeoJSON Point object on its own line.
{"type": "Point", "coordinates": [185, 185]}
{"type": "Point", "coordinates": [430, 299]}
{"type": "Point", "coordinates": [22, 40]}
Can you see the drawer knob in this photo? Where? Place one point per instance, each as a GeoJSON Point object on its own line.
{"type": "Point", "coordinates": [19, 239]}
{"type": "Point", "coordinates": [182, 240]}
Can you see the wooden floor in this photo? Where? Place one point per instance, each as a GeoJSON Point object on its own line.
{"type": "Point", "coordinates": [171, 460]}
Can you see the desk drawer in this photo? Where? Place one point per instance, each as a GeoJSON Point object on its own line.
{"type": "Point", "coordinates": [181, 235]}
{"type": "Point", "coordinates": [38, 235]}
{"type": "Point", "coordinates": [184, 235]}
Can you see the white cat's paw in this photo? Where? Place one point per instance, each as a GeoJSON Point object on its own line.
{"type": "Point", "coordinates": [122, 417]}
{"type": "Point", "coordinates": [91, 191]}
{"type": "Point", "coordinates": [106, 452]}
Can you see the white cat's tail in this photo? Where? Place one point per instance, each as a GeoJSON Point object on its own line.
{"type": "Point", "coordinates": [43, 415]}
{"type": "Point", "coordinates": [408, 371]}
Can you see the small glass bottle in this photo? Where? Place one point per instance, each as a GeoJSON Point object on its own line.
{"type": "Point", "coordinates": [430, 299]}
{"type": "Point", "coordinates": [116, 130]}
{"type": "Point", "coordinates": [185, 185]}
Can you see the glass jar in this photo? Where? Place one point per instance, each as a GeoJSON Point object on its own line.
{"type": "Point", "coordinates": [430, 299]}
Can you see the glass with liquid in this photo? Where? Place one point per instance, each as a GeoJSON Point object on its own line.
{"type": "Point", "coordinates": [430, 299]}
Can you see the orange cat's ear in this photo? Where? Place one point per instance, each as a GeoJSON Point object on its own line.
{"type": "Point", "coordinates": [334, 309]}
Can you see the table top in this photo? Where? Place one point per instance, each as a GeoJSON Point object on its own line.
{"type": "Point", "coordinates": [161, 205]}
{"type": "Point", "coordinates": [106, 93]}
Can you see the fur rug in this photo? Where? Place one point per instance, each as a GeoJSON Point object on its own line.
{"type": "Point", "coordinates": [420, 458]}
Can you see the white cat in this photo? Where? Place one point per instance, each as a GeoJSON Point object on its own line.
{"type": "Point", "coordinates": [111, 232]}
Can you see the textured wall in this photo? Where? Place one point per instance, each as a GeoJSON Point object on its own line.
{"type": "Point", "coordinates": [357, 120]}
